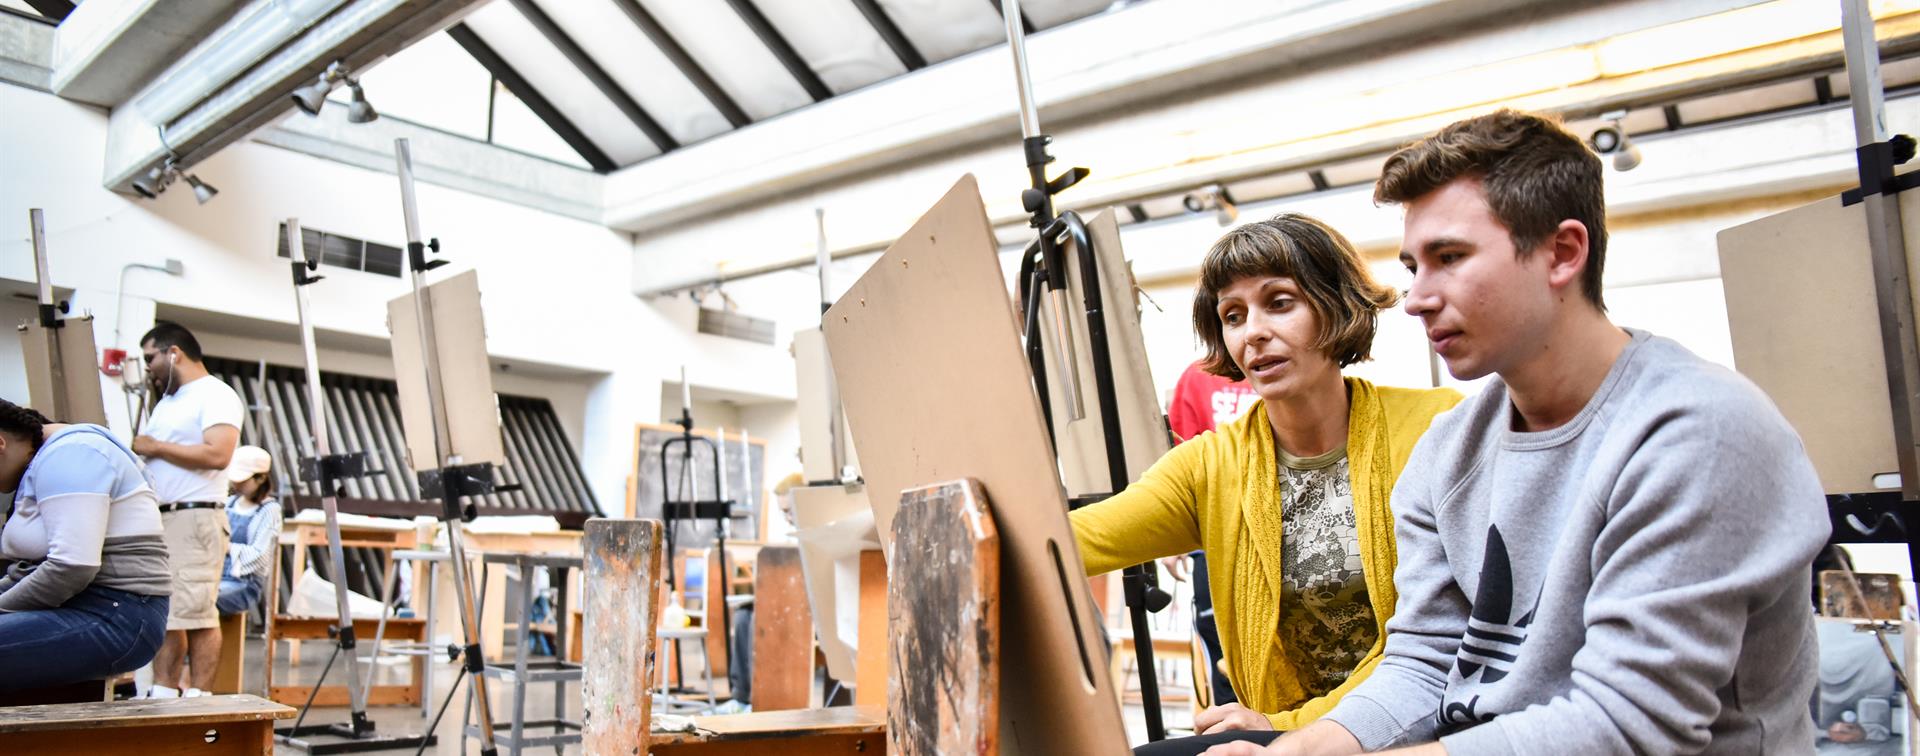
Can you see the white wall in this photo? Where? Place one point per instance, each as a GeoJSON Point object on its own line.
{"type": "Point", "coordinates": [13, 380]}
{"type": "Point", "coordinates": [555, 290]}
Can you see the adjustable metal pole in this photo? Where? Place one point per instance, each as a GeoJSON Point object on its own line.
{"type": "Point", "coordinates": [1886, 239]}
{"type": "Point", "coordinates": [329, 500]}
{"type": "Point", "coordinates": [1035, 144]}
{"type": "Point", "coordinates": [442, 446]}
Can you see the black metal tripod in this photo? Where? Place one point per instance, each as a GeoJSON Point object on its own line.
{"type": "Point", "coordinates": [694, 509]}
{"type": "Point", "coordinates": [1043, 266]}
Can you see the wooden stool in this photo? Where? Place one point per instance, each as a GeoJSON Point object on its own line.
{"type": "Point", "coordinates": [204, 725]}
{"type": "Point", "coordinates": [231, 673]}
{"type": "Point", "coordinates": [801, 732]}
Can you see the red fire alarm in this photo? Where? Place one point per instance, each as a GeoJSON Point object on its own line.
{"type": "Point", "coordinates": [110, 360]}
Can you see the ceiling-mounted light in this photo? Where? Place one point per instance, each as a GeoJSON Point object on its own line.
{"type": "Point", "coordinates": [1212, 198]}
{"type": "Point", "coordinates": [1611, 139]}
{"type": "Point", "coordinates": [312, 97]}
{"type": "Point", "coordinates": [150, 185]}
{"type": "Point", "coordinates": [202, 191]}
{"type": "Point", "coordinates": [359, 110]}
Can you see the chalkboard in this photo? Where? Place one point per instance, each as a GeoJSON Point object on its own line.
{"type": "Point", "coordinates": [648, 494]}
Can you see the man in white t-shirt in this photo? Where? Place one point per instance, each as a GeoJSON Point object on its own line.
{"type": "Point", "coordinates": [187, 443]}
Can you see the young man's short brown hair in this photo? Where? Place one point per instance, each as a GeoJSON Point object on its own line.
{"type": "Point", "coordinates": [1535, 174]}
{"type": "Point", "coordinates": [1322, 263]}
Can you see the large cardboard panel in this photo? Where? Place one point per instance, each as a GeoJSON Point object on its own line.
{"type": "Point", "coordinates": [1805, 324]}
{"type": "Point", "coordinates": [937, 388]}
{"type": "Point", "coordinates": [1143, 427]}
{"type": "Point", "coordinates": [466, 380]}
{"type": "Point", "coordinates": [79, 381]}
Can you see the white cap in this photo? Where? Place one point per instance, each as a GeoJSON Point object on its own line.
{"type": "Point", "coordinates": [247, 462]}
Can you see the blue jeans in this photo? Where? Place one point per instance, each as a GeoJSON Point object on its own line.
{"type": "Point", "coordinates": [238, 595]}
{"type": "Point", "coordinates": [97, 634]}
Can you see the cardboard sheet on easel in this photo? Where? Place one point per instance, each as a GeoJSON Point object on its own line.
{"type": "Point", "coordinates": [927, 352]}
{"type": "Point", "coordinates": [466, 380]}
{"type": "Point", "coordinates": [1143, 427]}
{"type": "Point", "coordinates": [1805, 323]}
{"type": "Point", "coordinates": [78, 377]}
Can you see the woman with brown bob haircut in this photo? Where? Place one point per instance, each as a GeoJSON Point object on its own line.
{"type": "Point", "coordinates": [1289, 502]}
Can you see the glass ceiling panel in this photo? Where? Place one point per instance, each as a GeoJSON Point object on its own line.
{"type": "Point", "coordinates": [522, 46]}
{"type": "Point", "coordinates": [638, 66]}
{"type": "Point", "coordinates": [835, 40]}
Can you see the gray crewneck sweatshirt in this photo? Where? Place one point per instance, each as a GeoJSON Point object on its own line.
{"type": "Point", "coordinates": [1634, 581]}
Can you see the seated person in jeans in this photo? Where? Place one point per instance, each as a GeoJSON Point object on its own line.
{"type": "Point", "coordinates": [84, 592]}
{"type": "Point", "coordinates": [253, 515]}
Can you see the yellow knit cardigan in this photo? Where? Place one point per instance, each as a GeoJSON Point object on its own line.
{"type": "Point", "coordinates": [1220, 492]}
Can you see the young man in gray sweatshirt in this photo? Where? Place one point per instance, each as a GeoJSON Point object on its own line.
{"type": "Point", "coordinates": [1607, 550]}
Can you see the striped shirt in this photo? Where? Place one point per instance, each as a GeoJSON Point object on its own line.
{"type": "Point", "coordinates": [248, 552]}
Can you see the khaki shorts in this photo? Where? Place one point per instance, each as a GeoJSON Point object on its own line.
{"type": "Point", "coordinates": [196, 550]}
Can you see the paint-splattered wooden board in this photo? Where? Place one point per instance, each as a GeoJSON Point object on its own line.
{"type": "Point", "coordinates": [927, 352]}
{"type": "Point", "coordinates": [623, 574]}
{"type": "Point", "coordinates": [943, 622]}
{"type": "Point", "coordinates": [782, 632]}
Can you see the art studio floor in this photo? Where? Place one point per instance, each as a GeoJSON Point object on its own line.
{"type": "Point", "coordinates": [539, 701]}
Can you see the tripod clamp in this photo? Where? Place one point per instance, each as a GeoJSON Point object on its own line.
{"type": "Point", "coordinates": [454, 483]}
{"type": "Point", "coordinates": [1876, 161]}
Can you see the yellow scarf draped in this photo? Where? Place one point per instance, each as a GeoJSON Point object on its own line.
{"type": "Point", "coordinates": [1221, 492]}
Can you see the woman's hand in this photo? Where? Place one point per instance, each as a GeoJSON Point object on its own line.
{"type": "Point", "coordinates": [1231, 716]}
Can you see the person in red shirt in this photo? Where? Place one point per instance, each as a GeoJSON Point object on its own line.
{"type": "Point", "coordinates": [1202, 400]}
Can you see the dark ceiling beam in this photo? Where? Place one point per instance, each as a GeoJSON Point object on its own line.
{"type": "Point", "coordinates": [594, 73]}
{"type": "Point", "coordinates": [782, 49]}
{"type": "Point", "coordinates": [890, 33]}
{"type": "Point", "coordinates": [1026, 24]}
{"type": "Point", "coordinates": [689, 67]}
{"type": "Point", "coordinates": [536, 102]}
{"type": "Point", "coordinates": [54, 9]}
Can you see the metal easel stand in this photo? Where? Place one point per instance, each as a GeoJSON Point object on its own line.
{"type": "Point", "coordinates": [1877, 154]}
{"type": "Point", "coordinates": [451, 481]}
{"type": "Point", "coordinates": [694, 509]}
{"type": "Point", "coordinates": [1044, 265]}
{"type": "Point", "coordinates": [328, 470]}
{"type": "Point", "coordinates": [50, 316]}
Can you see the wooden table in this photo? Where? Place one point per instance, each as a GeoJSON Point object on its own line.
{"type": "Point", "coordinates": [304, 535]}
{"type": "Point", "coordinates": [493, 593]}
{"type": "Point", "coordinates": [300, 536]}
{"type": "Point", "coordinates": [206, 725]}
{"type": "Point", "coordinates": [800, 732]}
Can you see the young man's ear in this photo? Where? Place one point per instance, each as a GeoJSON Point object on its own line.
{"type": "Point", "coordinates": [1568, 247]}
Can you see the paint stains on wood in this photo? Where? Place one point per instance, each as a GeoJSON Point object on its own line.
{"type": "Point", "coordinates": [623, 574]}
{"type": "Point", "coordinates": [943, 614]}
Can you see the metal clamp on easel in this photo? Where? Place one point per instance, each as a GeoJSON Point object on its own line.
{"type": "Point", "coordinates": [1043, 266]}
{"type": "Point", "coordinates": [694, 509]}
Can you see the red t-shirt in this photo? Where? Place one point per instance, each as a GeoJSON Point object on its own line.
{"type": "Point", "coordinates": [1202, 400]}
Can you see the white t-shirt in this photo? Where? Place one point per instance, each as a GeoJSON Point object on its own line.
{"type": "Point", "coordinates": [183, 417]}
